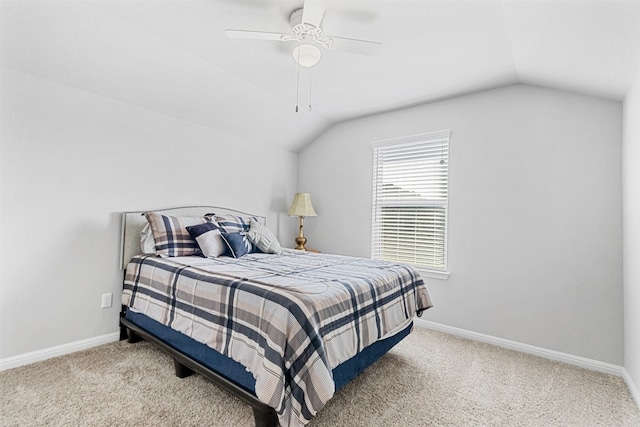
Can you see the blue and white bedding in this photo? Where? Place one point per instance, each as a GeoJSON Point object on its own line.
{"type": "Point", "coordinates": [289, 319]}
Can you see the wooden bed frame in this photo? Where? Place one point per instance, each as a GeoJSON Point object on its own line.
{"type": "Point", "coordinates": [132, 224]}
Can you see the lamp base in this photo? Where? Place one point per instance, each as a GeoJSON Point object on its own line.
{"type": "Point", "coordinates": [301, 240]}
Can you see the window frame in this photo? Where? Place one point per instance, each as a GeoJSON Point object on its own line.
{"type": "Point", "coordinates": [426, 141]}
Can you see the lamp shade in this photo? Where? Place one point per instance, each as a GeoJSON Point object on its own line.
{"type": "Point", "coordinates": [302, 206]}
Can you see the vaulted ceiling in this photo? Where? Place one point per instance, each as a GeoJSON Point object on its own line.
{"type": "Point", "coordinates": [173, 56]}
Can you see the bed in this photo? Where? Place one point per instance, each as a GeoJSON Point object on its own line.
{"type": "Point", "coordinates": [280, 329]}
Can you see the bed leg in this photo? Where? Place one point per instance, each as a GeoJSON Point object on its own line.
{"type": "Point", "coordinates": [123, 329]}
{"type": "Point", "coordinates": [181, 370]}
{"type": "Point", "coordinates": [265, 419]}
{"type": "Point", "coordinates": [133, 337]}
{"type": "Point", "coordinates": [123, 333]}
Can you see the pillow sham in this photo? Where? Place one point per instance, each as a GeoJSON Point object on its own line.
{"type": "Point", "coordinates": [233, 223]}
{"type": "Point", "coordinates": [238, 244]}
{"type": "Point", "coordinates": [263, 238]}
{"type": "Point", "coordinates": [208, 237]}
{"type": "Point", "coordinates": [171, 235]}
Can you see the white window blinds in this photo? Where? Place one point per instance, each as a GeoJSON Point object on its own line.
{"type": "Point", "coordinates": [410, 194]}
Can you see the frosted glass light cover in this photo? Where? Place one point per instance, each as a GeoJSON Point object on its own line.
{"type": "Point", "coordinates": [307, 55]}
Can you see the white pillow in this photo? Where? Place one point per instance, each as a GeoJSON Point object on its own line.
{"type": "Point", "coordinates": [209, 239]}
{"type": "Point", "coordinates": [211, 244]}
{"type": "Point", "coordinates": [263, 238]}
{"type": "Point", "coordinates": [147, 242]}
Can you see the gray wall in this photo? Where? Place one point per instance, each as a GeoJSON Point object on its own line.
{"type": "Point", "coordinates": [71, 162]}
{"type": "Point", "coordinates": [535, 213]}
{"type": "Point", "coordinates": [631, 214]}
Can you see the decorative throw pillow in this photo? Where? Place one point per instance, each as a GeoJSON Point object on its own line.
{"type": "Point", "coordinates": [263, 238]}
{"type": "Point", "coordinates": [237, 244]}
{"type": "Point", "coordinates": [233, 223]}
{"type": "Point", "coordinates": [208, 237]}
{"type": "Point", "coordinates": [171, 235]}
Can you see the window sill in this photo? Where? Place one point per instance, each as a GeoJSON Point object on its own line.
{"type": "Point", "coordinates": [434, 274]}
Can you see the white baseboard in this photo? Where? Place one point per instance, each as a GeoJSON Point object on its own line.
{"type": "Point", "coordinates": [60, 350]}
{"type": "Point", "coordinates": [582, 362]}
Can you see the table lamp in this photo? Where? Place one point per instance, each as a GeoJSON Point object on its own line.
{"type": "Point", "coordinates": [301, 207]}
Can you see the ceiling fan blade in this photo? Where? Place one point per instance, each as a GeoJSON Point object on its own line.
{"type": "Point", "coordinates": [312, 13]}
{"type": "Point", "coordinates": [361, 47]}
{"type": "Point", "coordinates": [253, 35]}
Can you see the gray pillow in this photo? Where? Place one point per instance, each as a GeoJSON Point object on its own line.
{"type": "Point", "coordinates": [263, 238]}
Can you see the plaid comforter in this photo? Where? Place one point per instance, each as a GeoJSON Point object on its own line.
{"type": "Point", "coordinates": [289, 319]}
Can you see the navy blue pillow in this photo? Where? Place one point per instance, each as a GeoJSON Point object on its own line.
{"type": "Point", "coordinates": [237, 244]}
{"type": "Point", "coordinates": [197, 230]}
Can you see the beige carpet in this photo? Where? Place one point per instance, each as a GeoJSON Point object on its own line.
{"type": "Point", "coordinates": [430, 379]}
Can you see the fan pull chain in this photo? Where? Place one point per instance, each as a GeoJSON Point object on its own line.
{"type": "Point", "coordinates": [297, 78]}
{"type": "Point", "coordinates": [309, 108]}
{"type": "Point", "coordinates": [298, 84]}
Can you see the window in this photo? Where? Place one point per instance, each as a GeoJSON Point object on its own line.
{"type": "Point", "coordinates": [410, 195]}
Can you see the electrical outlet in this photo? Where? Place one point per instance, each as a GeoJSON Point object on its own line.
{"type": "Point", "coordinates": [107, 300]}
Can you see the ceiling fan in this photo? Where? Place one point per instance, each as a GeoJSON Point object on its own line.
{"type": "Point", "coordinates": [306, 30]}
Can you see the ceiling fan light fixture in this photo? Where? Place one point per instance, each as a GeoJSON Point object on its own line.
{"type": "Point", "coordinates": [307, 55]}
